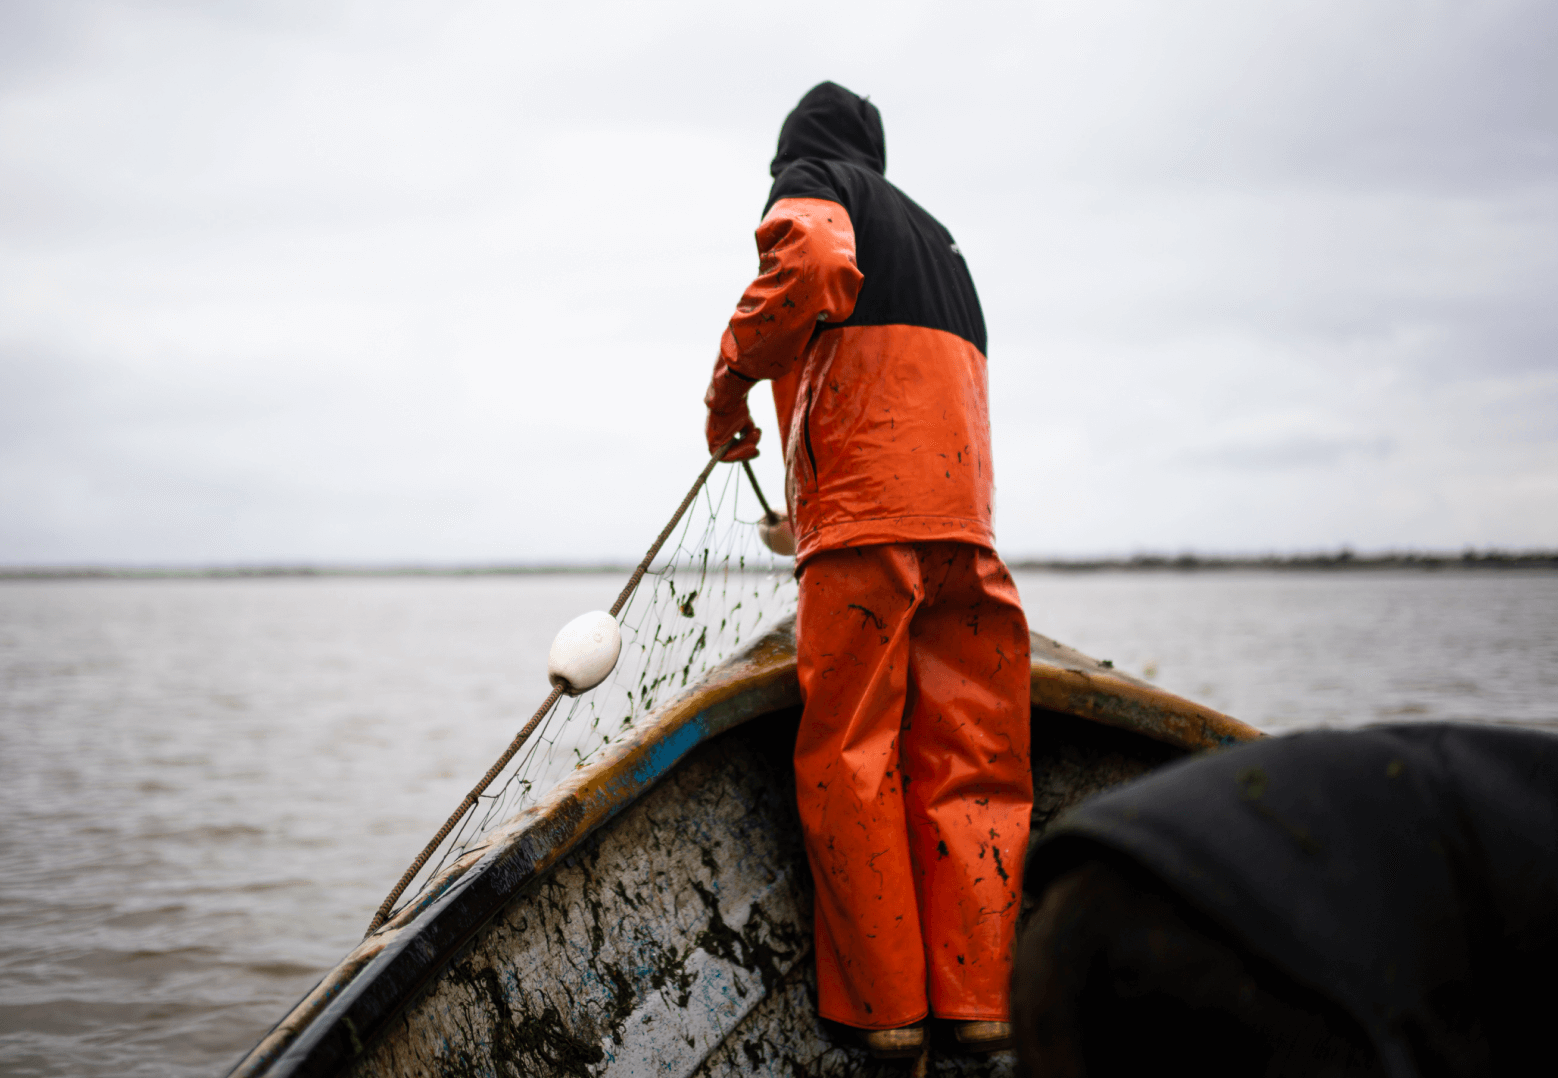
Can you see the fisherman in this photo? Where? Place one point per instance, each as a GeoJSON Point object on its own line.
{"type": "Point", "coordinates": [911, 763]}
{"type": "Point", "coordinates": [1372, 902]}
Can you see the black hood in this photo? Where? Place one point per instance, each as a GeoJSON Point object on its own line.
{"type": "Point", "coordinates": [833, 124]}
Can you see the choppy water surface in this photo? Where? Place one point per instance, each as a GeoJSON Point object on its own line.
{"type": "Point", "coordinates": [207, 786]}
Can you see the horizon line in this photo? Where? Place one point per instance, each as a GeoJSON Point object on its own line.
{"type": "Point", "coordinates": [1342, 558]}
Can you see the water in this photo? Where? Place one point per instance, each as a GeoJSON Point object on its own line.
{"type": "Point", "coordinates": [207, 786]}
{"type": "Point", "coordinates": [1285, 650]}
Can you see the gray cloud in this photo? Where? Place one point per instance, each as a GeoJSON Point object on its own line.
{"type": "Point", "coordinates": [1303, 451]}
{"type": "Point", "coordinates": [320, 281]}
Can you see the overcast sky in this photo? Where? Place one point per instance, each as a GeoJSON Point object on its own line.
{"type": "Point", "coordinates": [443, 282]}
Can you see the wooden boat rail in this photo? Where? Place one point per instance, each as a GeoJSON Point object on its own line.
{"type": "Point", "coordinates": [330, 1026]}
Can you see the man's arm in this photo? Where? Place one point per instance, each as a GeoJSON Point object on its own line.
{"type": "Point", "coordinates": [806, 274]}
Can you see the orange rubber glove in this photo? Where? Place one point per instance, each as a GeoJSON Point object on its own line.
{"type": "Point", "coordinates": [728, 414]}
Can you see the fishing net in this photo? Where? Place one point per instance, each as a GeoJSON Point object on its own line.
{"type": "Point", "coordinates": [713, 587]}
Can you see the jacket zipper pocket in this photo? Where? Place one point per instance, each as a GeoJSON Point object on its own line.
{"type": "Point", "coordinates": [811, 454]}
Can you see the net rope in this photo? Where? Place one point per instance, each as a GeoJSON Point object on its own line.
{"type": "Point", "coordinates": [713, 587]}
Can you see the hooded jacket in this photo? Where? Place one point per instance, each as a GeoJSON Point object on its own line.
{"type": "Point", "coordinates": [865, 317]}
{"type": "Point", "coordinates": [1409, 873]}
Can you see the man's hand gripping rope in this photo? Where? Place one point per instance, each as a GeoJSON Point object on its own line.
{"type": "Point", "coordinates": [728, 414]}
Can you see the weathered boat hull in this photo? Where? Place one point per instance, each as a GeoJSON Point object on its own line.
{"type": "Point", "coordinates": [653, 915]}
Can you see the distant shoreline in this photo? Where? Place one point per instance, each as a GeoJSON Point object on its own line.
{"type": "Point", "coordinates": [1337, 561]}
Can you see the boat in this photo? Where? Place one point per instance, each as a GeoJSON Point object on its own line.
{"type": "Point", "coordinates": [651, 915]}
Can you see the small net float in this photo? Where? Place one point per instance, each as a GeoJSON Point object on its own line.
{"type": "Point", "coordinates": [584, 652]}
{"type": "Point", "coordinates": [776, 534]}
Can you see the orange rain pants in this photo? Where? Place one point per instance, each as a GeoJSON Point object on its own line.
{"type": "Point", "coordinates": [912, 773]}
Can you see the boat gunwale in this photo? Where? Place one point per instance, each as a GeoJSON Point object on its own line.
{"type": "Point", "coordinates": [331, 1025]}
{"type": "Point", "coordinates": [354, 1001]}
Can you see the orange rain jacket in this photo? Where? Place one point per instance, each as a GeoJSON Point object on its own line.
{"type": "Point", "coordinates": [865, 317]}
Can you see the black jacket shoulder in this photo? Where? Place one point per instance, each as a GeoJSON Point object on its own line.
{"type": "Point", "coordinates": [1408, 872]}
{"type": "Point", "coordinates": [914, 273]}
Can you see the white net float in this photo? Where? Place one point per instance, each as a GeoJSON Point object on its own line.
{"type": "Point", "coordinates": [778, 536]}
{"type": "Point", "coordinates": [584, 652]}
